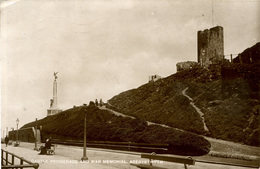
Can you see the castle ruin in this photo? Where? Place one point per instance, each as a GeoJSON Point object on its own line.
{"type": "Point", "coordinates": [210, 49]}
{"type": "Point", "coordinates": [210, 46]}
{"type": "Point", "coordinates": [186, 65]}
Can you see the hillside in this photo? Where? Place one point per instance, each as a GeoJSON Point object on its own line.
{"type": "Point", "coordinates": [249, 55]}
{"type": "Point", "coordinates": [222, 101]}
{"type": "Point", "coordinates": [224, 98]}
{"type": "Point", "coordinates": [104, 126]}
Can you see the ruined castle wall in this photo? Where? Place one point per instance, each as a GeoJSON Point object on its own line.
{"type": "Point", "coordinates": [185, 65]}
{"type": "Point", "coordinates": [210, 46]}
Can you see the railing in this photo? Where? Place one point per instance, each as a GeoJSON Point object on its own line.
{"type": "Point", "coordinates": [229, 164]}
{"type": "Point", "coordinates": [11, 164]}
{"type": "Point", "coordinates": [126, 146]}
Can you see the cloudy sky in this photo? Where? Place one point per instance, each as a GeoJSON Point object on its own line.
{"type": "Point", "coordinates": [104, 47]}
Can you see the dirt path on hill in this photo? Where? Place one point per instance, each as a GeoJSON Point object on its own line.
{"type": "Point", "coordinates": [123, 115]}
{"type": "Point", "coordinates": [115, 112]}
{"type": "Point", "coordinates": [196, 108]}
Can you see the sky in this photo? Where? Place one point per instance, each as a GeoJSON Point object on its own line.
{"type": "Point", "coordinates": [102, 48]}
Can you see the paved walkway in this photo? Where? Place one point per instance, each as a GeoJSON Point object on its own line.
{"type": "Point", "coordinates": [69, 157]}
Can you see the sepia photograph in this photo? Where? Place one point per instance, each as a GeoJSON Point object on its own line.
{"type": "Point", "coordinates": [129, 84]}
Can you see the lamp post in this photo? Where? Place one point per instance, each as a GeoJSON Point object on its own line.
{"type": "Point", "coordinates": [17, 122]}
{"type": "Point", "coordinates": [85, 158]}
{"type": "Point", "coordinates": [35, 147]}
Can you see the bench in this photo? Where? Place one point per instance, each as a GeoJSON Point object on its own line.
{"type": "Point", "coordinates": [51, 151]}
{"type": "Point", "coordinates": [176, 159]}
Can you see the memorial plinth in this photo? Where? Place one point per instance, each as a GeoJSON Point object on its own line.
{"type": "Point", "coordinates": [51, 112]}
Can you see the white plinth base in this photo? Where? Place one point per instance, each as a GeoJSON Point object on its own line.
{"type": "Point", "coordinates": [51, 112]}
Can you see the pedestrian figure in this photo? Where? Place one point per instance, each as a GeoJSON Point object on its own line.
{"type": "Point", "coordinates": [43, 149]}
{"type": "Point", "coordinates": [6, 140]}
{"type": "Point", "coordinates": [96, 102]}
{"type": "Point", "coordinates": [48, 144]}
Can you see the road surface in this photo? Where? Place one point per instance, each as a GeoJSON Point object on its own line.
{"type": "Point", "coordinates": [69, 157]}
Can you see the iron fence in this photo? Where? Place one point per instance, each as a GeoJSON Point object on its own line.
{"type": "Point", "coordinates": [8, 161]}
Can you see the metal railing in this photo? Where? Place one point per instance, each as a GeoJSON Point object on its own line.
{"type": "Point", "coordinates": [6, 163]}
{"type": "Point", "coordinates": [228, 164]}
{"type": "Point", "coordinates": [126, 146]}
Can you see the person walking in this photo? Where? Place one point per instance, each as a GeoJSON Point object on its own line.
{"type": "Point", "coordinates": [6, 140]}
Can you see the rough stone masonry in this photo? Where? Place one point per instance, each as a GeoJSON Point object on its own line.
{"type": "Point", "coordinates": [210, 46]}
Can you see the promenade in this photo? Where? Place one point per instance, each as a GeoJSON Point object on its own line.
{"type": "Point", "coordinates": [69, 157]}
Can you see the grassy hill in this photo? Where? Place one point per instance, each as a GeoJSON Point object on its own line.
{"type": "Point", "coordinates": [225, 98]}
{"type": "Point", "coordinates": [227, 94]}
{"type": "Point", "coordinates": [104, 126]}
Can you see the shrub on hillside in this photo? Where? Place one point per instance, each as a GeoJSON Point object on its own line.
{"type": "Point", "coordinates": [181, 142]}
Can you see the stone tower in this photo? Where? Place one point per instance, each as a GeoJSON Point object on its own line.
{"type": "Point", "coordinates": [54, 109]}
{"type": "Point", "coordinates": [210, 46]}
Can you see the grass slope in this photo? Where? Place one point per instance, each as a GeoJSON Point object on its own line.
{"type": "Point", "coordinates": [103, 126]}
{"type": "Point", "coordinates": [227, 94]}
